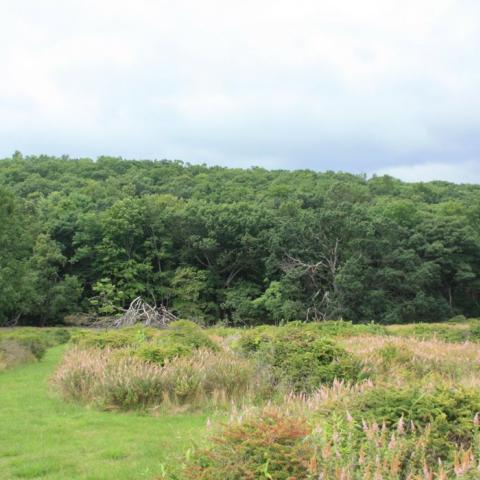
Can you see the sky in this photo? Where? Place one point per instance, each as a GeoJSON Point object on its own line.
{"type": "Point", "coordinates": [376, 87]}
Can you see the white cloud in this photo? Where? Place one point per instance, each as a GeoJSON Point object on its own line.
{"type": "Point", "coordinates": [462, 172]}
{"type": "Point", "coordinates": [322, 84]}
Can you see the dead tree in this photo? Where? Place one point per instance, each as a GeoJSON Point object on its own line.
{"type": "Point", "coordinates": [322, 276]}
{"type": "Point", "coordinates": [13, 321]}
{"type": "Point", "coordinates": [140, 312]}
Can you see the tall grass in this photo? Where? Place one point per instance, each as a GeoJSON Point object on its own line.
{"type": "Point", "coordinates": [22, 345]}
{"type": "Point", "coordinates": [13, 353]}
{"type": "Point", "coordinates": [399, 360]}
{"type": "Point", "coordinates": [113, 379]}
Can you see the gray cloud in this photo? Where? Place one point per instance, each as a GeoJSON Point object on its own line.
{"type": "Point", "coordinates": [388, 86]}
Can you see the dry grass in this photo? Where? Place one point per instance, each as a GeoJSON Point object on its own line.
{"type": "Point", "coordinates": [12, 354]}
{"type": "Point", "coordinates": [114, 379]}
{"type": "Point", "coordinates": [397, 360]}
{"type": "Point", "coordinates": [430, 350]}
{"type": "Point", "coordinates": [327, 397]}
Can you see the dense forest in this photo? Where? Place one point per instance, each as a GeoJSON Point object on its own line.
{"type": "Point", "coordinates": [241, 246]}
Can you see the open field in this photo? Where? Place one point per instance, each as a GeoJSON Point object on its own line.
{"type": "Point", "coordinates": [42, 437]}
{"type": "Point", "coordinates": [303, 401]}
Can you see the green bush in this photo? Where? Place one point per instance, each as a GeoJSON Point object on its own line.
{"type": "Point", "coordinates": [304, 361]}
{"type": "Point", "coordinates": [35, 342]}
{"type": "Point", "coordinates": [111, 338]}
{"type": "Point", "coordinates": [475, 331]}
{"type": "Point", "coordinates": [252, 339]}
{"type": "Point", "coordinates": [181, 338]}
{"type": "Point", "coordinates": [187, 333]}
{"type": "Point", "coordinates": [60, 335]}
{"type": "Point", "coordinates": [276, 444]}
{"type": "Point", "coordinates": [272, 446]}
{"type": "Point", "coordinates": [341, 328]}
{"type": "Point", "coordinates": [394, 358]}
{"type": "Point", "coordinates": [36, 345]}
{"type": "Point", "coordinates": [300, 357]}
{"type": "Point", "coordinates": [155, 353]}
{"type": "Point", "coordinates": [448, 411]}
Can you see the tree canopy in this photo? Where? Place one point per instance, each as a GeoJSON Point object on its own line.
{"type": "Point", "coordinates": [243, 246]}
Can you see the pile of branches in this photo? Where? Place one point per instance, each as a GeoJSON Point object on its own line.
{"type": "Point", "coordinates": [140, 312]}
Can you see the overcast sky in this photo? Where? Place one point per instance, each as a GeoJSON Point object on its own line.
{"type": "Point", "coordinates": [371, 86]}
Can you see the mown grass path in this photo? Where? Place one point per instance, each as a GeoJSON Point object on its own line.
{"type": "Point", "coordinates": [42, 437]}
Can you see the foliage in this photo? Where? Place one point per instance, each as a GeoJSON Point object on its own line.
{"type": "Point", "coordinates": [300, 358]}
{"type": "Point", "coordinates": [243, 247]}
{"type": "Point", "coordinates": [271, 446]}
{"type": "Point", "coordinates": [279, 445]}
{"type": "Point", "coordinates": [448, 413]}
{"type": "Point", "coordinates": [419, 403]}
{"type": "Point", "coordinates": [466, 330]}
{"type": "Point", "coordinates": [180, 339]}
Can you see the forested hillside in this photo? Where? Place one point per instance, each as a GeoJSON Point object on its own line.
{"type": "Point", "coordinates": [242, 246]}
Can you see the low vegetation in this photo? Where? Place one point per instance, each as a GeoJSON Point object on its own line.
{"type": "Point", "coordinates": [21, 345]}
{"type": "Point", "coordinates": [115, 379]}
{"type": "Point", "coordinates": [154, 345]}
{"type": "Point", "coordinates": [454, 331]}
{"type": "Point", "coordinates": [183, 366]}
{"type": "Point", "coordinates": [275, 443]}
{"type": "Point", "coordinates": [413, 413]}
{"type": "Point", "coordinates": [300, 358]}
{"type": "Point", "coordinates": [328, 400]}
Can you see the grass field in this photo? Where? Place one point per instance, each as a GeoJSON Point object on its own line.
{"type": "Point", "coordinates": [42, 437]}
{"type": "Point", "coordinates": [400, 402]}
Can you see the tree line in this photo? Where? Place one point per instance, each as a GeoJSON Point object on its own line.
{"type": "Point", "coordinates": [242, 246]}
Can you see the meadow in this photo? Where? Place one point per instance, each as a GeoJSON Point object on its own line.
{"type": "Point", "coordinates": [43, 437]}
{"type": "Point", "coordinates": [327, 400]}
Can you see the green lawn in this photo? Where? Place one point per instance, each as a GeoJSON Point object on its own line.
{"type": "Point", "coordinates": [41, 437]}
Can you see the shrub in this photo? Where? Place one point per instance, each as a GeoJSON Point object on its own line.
{"type": "Point", "coordinates": [182, 338]}
{"type": "Point", "coordinates": [300, 358]}
{"type": "Point", "coordinates": [60, 335]}
{"type": "Point", "coordinates": [475, 331]}
{"type": "Point", "coordinates": [110, 338]}
{"type": "Point", "coordinates": [447, 411]}
{"type": "Point", "coordinates": [392, 354]}
{"type": "Point", "coordinates": [34, 342]}
{"type": "Point", "coordinates": [341, 328]}
{"type": "Point", "coordinates": [268, 446]}
{"type": "Point", "coordinates": [252, 339]}
{"type": "Point", "coordinates": [273, 443]}
{"type": "Point", "coordinates": [304, 361]}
